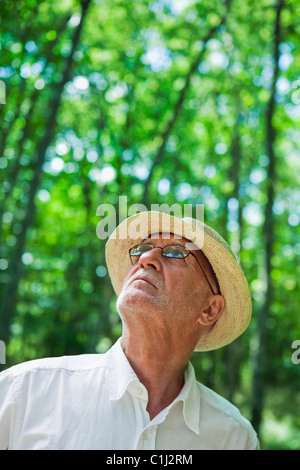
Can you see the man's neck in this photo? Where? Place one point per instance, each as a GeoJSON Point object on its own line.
{"type": "Point", "coordinates": [158, 369]}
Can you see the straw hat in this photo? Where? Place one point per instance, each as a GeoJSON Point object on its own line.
{"type": "Point", "coordinates": [233, 284]}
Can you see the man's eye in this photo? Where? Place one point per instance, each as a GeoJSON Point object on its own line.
{"type": "Point", "coordinates": [140, 249]}
{"type": "Point", "coordinates": [174, 252]}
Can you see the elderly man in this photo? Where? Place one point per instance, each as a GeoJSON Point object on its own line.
{"type": "Point", "coordinates": [173, 298]}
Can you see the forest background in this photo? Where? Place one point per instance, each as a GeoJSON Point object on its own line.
{"type": "Point", "coordinates": [163, 101]}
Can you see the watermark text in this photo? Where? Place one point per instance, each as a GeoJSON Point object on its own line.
{"type": "Point", "coordinates": [296, 93]}
{"type": "Point", "coordinates": [2, 92]}
{"type": "Point", "coordinates": [156, 217]}
{"type": "Point", "coordinates": [296, 354]}
{"type": "Point", "coordinates": [2, 353]}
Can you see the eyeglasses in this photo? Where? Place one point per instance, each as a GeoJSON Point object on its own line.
{"type": "Point", "coordinates": [168, 251]}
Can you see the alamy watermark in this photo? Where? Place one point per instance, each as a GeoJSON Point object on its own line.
{"type": "Point", "coordinates": [296, 354]}
{"type": "Point", "coordinates": [296, 93]}
{"type": "Point", "coordinates": [137, 228]}
{"type": "Point", "coordinates": [2, 353]}
{"type": "Point", "coordinates": [2, 92]}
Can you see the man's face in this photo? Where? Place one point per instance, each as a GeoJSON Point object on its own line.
{"type": "Point", "coordinates": [163, 288]}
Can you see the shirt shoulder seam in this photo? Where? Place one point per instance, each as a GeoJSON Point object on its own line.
{"type": "Point", "coordinates": [236, 416]}
{"type": "Point", "coordinates": [40, 365]}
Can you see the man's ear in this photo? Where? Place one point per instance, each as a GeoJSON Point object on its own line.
{"type": "Point", "coordinates": [210, 315]}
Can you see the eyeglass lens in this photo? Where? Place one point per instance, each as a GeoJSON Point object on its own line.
{"type": "Point", "coordinates": [169, 251]}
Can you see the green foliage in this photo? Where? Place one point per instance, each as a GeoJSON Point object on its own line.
{"type": "Point", "coordinates": [162, 101]}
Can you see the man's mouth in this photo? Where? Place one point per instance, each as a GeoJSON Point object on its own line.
{"type": "Point", "coordinates": [144, 278]}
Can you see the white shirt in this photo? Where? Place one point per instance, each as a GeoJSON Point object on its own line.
{"type": "Point", "coordinates": [97, 402]}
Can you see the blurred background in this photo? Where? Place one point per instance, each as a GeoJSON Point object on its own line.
{"type": "Point", "coordinates": [163, 101]}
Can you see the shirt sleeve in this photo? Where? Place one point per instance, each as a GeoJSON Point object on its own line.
{"type": "Point", "coordinates": [253, 442]}
{"type": "Point", "coordinates": [7, 408]}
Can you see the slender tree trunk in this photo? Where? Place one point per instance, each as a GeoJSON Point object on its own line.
{"type": "Point", "coordinates": [178, 106]}
{"type": "Point", "coordinates": [9, 127]}
{"type": "Point", "coordinates": [9, 303]}
{"type": "Point", "coordinates": [11, 181]}
{"type": "Point", "coordinates": [232, 351]}
{"type": "Point", "coordinates": [268, 230]}
{"type": "Point", "coordinates": [14, 171]}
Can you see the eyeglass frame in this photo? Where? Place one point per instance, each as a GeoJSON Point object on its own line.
{"type": "Point", "coordinates": [189, 252]}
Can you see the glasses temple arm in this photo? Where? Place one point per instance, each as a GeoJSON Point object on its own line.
{"type": "Point", "coordinates": [204, 274]}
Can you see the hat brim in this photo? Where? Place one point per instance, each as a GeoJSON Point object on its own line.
{"type": "Point", "coordinates": [232, 282]}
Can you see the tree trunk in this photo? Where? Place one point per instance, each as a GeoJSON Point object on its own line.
{"type": "Point", "coordinates": [232, 351]}
{"type": "Point", "coordinates": [268, 230]}
{"type": "Point", "coordinates": [178, 106]}
{"type": "Point", "coordinates": [17, 108]}
{"type": "Point", "coordinates": [10, 300]}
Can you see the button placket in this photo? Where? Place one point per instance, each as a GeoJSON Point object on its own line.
{"type": "Point", "coordinates": [147, 439]}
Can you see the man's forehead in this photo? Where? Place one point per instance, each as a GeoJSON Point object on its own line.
{"type": "Point", "coordinates": [164, 236]}
{"type": "Point", "coordinates": [175, 238]}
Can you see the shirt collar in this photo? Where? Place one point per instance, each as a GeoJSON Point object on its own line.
{"type": "Point", "coordinates": [121, 374]}
{"type": "Point", "coordinates": [190, 396]}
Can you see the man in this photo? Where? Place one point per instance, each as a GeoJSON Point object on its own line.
{"type": "Point", "coordinates": [179, 289]}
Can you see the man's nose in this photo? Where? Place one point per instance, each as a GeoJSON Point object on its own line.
{"type": "Point", "coordinates": [151, 259]}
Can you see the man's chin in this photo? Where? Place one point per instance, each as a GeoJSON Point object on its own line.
{"type": "Point", "coordinates": [134, 294]}
{"type": "Point", "coordinates": [136, 298]}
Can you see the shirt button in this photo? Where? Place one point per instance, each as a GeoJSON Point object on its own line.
{"type": "Point", "coordinates": [144, 435]}
{"type": "Point", "coordinates": [139, 392]}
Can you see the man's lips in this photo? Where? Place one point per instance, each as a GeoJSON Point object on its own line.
{"type": "Point", "coordinates": [143, 278]}
{"type": "Point", "coordinates": [149, 276]}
